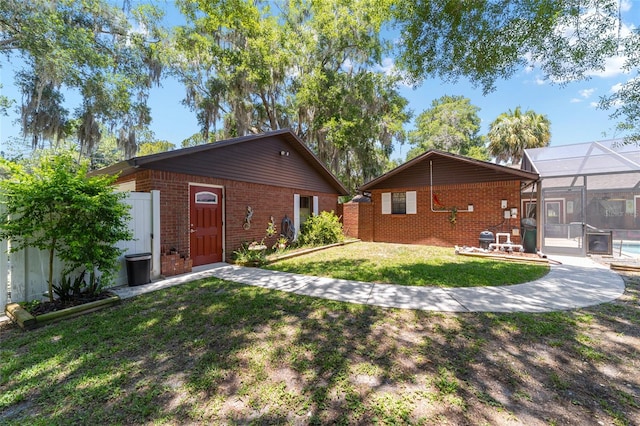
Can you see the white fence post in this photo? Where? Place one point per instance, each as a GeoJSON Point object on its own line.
{"type": "Point", "coordinates": [155, 233]}
{"type": "Point", "coordinates": [4, 275]}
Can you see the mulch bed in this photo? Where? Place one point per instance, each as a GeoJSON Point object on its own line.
{"type": "Point", "coordinates": [46, 306]}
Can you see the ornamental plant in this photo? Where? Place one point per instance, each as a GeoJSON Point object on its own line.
{"type": "Point", "coordinates": [321, 229]}
{"type": "Point", "coordinates": [54, 206]}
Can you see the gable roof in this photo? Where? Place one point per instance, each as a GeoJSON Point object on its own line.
{"type": "Point", "coordinates": [441, 168]}
{"type": "Point", "coordinates": [252, 158]}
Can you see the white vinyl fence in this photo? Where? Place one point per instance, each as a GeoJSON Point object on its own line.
{"type": "Point", "coordinates": [23, 275]}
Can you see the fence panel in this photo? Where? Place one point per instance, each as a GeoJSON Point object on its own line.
{"type": "Point", "coordinates": [26, 271]}
{"type": "Point", "coordinates": [141, 225]}
{"type": "Point", "coordinates": [4, 275]}
{"type": "Point", "coordinates": [30, 273]}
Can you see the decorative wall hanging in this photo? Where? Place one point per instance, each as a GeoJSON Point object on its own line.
{"type": "Point", "coordinates": [247, 219]}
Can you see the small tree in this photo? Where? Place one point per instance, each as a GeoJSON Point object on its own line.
{"type": "Point", "coordinates": [56, 207]}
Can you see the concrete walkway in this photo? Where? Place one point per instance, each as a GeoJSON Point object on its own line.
{"type": "Point", "coordinates": [574, 283]}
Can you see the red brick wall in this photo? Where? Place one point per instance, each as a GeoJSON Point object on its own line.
{"type": "Point", "coordinates": [357, 219]}
{"type": "Point", "coordinates": [266, 201]}
{"type": "Point", "coordinates": [349, 213]}
{"type": "Point", "coordinates": [433, 228]}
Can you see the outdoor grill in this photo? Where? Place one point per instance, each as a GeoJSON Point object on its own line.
{"type": "Point", "coordinates": [486, 238]}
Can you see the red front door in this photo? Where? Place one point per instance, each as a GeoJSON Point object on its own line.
{"type": "Point", "coordinates": [206, 224]}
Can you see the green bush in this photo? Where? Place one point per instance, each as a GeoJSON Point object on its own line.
{"type": "Point", "coordinates": [250, 254]}
{"type": "Point", "coordinates": [68, 287]}
{"type": "Point", "coordinates": [322, 229]}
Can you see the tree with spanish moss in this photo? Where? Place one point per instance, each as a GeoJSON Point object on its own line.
{"type": "Point", "coordinates": [105, 53]}
{"type": "Point", "coordinates": [308, 67]}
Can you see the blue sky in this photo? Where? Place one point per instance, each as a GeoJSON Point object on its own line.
{"type": "Point", "coordinates": [571, 108]}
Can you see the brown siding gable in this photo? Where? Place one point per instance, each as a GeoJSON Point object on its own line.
{"type": "Point", "coordinates": [276, 158]}
{"type": "Point", "coordinates": [441, 168]}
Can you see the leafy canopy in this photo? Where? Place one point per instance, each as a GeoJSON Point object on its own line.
{"type": "Point", "coordinates": [304, 65]}
{"type": "Point", "coordinates": [485, 41]}
{"type": "Point", "coordinates": [514, 131]}
{"type": "Point", "coordinates": [451, 124]}
{"type": "Point", "coordinates": [106, 54]}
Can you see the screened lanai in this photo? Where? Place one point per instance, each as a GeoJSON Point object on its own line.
{"type": "Point", "coordinates": [589, 198]}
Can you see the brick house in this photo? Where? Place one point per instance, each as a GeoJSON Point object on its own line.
{"type": "Point", "coordinates": [440, 199]}
{"type": "Point", "coordinates": [214, 197]}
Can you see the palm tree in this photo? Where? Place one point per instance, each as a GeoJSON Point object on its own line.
{"type": "Point", "coordinates": [513, 132]}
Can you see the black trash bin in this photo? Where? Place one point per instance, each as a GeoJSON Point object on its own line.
{"type": "Point", "coordinates": [529, 234]}
{"type": "Point", "coordinates": [138, 268]}
{"type": "Point", "coordinates": [486, 238]}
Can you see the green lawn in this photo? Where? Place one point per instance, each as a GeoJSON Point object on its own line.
{"type": "Point", "coordinates": [215, 352]}
{"type": "Point", "coordinates": [410, 265]}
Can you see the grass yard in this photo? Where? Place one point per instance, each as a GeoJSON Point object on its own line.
{"type": "Point", "coordinates": [409, 265]}
{"type": "Point", "coordinates": [216, 352]}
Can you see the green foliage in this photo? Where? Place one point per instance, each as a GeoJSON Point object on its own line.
{"type": "Point", "coordinates": [479, 153]}
{"type": "Point", "coordinates": [319, 230]}
{"type": "Point", "coordinates": [451, 124]}
{"type": "Point", "coordinates": [56, 207]}
{"type": "Point", "coordinates": [514, 131]}
{"type": "Point", "coordinates": [485, 41]}
{"type": "Point", "coordinates": [236, 58]}
{"type": "Point", "coordinates": [5, 103]}
{"type": "Point", "coordinates": [68, 287]}
{"type": "Point", "coordinates": [108, 54]}
{"type": "Point", "coordinates": [490, 40]}
{"type": "Point", "coordinates": [446, 382]}
{"type": "Point", "coordinates": [250, 254]}
{"type": "Point", "coordinates": [148, 148]}
{"type": "Point", "coordinates": [94, 286]}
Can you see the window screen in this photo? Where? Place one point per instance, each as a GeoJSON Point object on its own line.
{"type": "Point", "coordinates": [398, 203]}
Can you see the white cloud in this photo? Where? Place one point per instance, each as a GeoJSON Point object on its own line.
{"type": "Point", "coordinates": [586, 93]}
{"type": "Point", "coordinates": [593, 104]}
{"type": "Point", "coordinates": [616, 87]}
{"type": "Point", "coordinates": [625, 5]}
{"type": "Point", "coordinates": [575, 100]}
{"type": "Point", "coordinates": [388, 67]}
{"type": "Point", "coordinates": [612, 68]}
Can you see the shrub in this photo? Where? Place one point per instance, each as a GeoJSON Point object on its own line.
{"type": "Point", "coordinates": [250, 254]}
{"type": "Point", "coordinates": [68, 287]}
{"type": "Point", "coordinates": [321, 229]}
